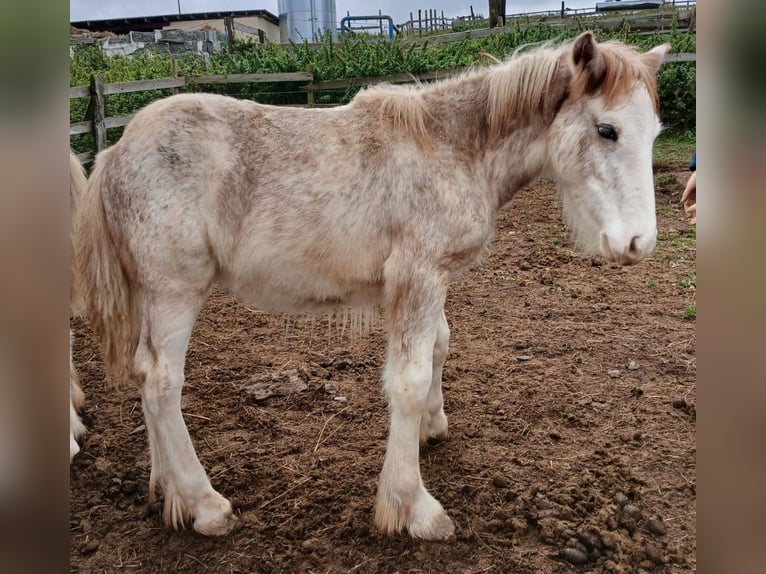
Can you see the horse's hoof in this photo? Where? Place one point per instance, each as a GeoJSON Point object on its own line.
{"type": "Point", "coordinates": [428, 520]}
{"type": "Point", "coordinates": [214, 517]}
{"type": "Point", "coordinates": [438, 528]}
{"type": "Point", "coordinates": [433, 429]}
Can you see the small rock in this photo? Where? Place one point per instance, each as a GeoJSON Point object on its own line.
{"type": "Point", "coordinates": [330, 388]}
{"type": "Point", "coordinates": [575, 556]}
{"type": "Point", "coordinates": [554, 435]}
{"type": "Point", "coordinates": [632, 511]}
{"type": "Point", "coordinates": [656, 526]}
{"type": "Point", "coordinates": [614, 373]}
{"type": "Point", "coordinates": [129, 486]}
{"type": "Point", "coordinates": [340, 399]}
{"type": "Point", "coordinates": [90, 546]}
{"type": "Point", "coordinates": [523, 358]}
{"type": "Point", "coordinates": [500, 482]}
{"type": "Point", "coordinates": [653, 553]}
{"type": "Point", "coordinates": [633, 366]}
{"type": "Point", "coordinates": [679, 403]}
{"type": "Point", "coordinates": [311, 545]}
{"type": "Point", "coordinates": [620, 499]}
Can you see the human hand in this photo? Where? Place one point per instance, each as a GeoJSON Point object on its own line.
{"type": "Point", "coordinates": [689, 198]}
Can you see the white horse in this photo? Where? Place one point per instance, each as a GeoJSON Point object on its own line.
{"type": "Point", "coordinates": [385, 200]}
{"type": "Point", "coordinates": [77, 183]}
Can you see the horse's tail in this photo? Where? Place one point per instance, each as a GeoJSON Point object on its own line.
{"type": "Point", "coordinates": [77, 184]}
{"type": "Point", "coordinates": [107, 275]}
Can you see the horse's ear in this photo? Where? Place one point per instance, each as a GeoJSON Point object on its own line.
{"type": "Point", "coordinates": [588, 60]}
{"type": "Point", "coordinates": [654, 58]}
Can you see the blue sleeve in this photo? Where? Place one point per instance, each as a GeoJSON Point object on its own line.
{"type": "Point", "coordinates": [693, 164]}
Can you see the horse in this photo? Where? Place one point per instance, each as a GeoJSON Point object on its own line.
{"type": "Point", "coordinates": [77, 185]}
{"type": "Point", "coordinates": [382, 201]}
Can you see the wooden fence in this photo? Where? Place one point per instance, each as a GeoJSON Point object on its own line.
{"type": "Point", "coordinates": [426, 21]}
{"type": "Point", "coordinates": [96, 122]}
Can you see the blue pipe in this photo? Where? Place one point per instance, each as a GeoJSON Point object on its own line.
{"type": "Point", "coordinates": [345, 19]}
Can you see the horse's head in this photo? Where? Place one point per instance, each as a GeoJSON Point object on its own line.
{"type": "Point", "coordinates": [601, 140]}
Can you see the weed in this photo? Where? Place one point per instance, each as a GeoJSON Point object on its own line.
{"type": "Point", "coordinates": [689, 282]}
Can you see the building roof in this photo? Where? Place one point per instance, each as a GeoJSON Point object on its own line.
{"type": "Point", "coordinates": [149, 23]}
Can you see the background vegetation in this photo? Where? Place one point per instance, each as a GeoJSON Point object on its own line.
{"type": "Point", "coordinates": [355, 57]}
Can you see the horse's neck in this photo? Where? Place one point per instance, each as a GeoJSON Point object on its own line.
{"type": "Point", "coordinates": [459, 115]}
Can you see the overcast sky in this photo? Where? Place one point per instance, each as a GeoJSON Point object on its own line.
{"type": "Point", "coordinates": [399, 10]}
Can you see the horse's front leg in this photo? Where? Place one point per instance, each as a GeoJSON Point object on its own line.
{"type": "Point", "coordinates": [414, 308]}
{"type": "Point", "coordinates": [433, 425]}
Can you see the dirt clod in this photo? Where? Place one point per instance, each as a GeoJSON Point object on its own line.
{"type": "Point", "coordinates": [575, 556]}
{"type": "Point", "coordinates": [632, 511]}
{"type": "Point", "coordinates": [656, 526]}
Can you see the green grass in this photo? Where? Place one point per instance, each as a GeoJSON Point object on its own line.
{"type": "Point", "coordinates": [662, 179]}
{"type": "Point", "coordinates": [676, 244]}
{"type": "Point", "coordinates": [690, 312]}
{"type": "Point", "coordinates": [674, 147]}
{"type": "Point", "coordinates": [690, 281]}
{"type": "Point", "coordinates": [651, 284]}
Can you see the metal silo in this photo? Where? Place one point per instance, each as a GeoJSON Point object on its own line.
{"type": "Point", "coordinates": [301, 20]}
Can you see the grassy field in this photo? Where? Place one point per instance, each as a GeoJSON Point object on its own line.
{"type": "Point", "coordinates": [673, 147]}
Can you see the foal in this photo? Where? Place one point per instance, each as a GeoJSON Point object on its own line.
{"type": "Point", "coordinates": [385, 200]}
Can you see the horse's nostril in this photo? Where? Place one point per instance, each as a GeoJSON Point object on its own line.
{"type": "Point", "coordinates": [633, 249]}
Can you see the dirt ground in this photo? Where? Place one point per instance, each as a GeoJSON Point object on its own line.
{"type": "Point", "coordinates": [570, 390]}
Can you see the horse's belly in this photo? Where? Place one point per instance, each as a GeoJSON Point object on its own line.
{"type": "Point", "coordinates": [296, 288]}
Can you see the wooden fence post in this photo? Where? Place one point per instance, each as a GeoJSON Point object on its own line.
{"type": "Point", "coordinates": [228, 24]}
{"type": "Point", "coordinates": [420, 22]}
{"type": "Point", "coordinates": [99, 112]}
{"type": "Point", "coordinates": [174, 71]}
{"type": "Point", "coordinates": [310, 91]}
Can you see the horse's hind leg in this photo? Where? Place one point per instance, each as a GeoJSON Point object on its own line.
{"type": "Point", "coordinates": [175, 466]}
{"type": "Point", "coordinates": [414, 302]}
{"type": "Point", "coordinates": [433, 424]}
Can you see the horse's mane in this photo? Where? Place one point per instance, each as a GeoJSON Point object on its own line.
{"type": "Point", "coordinates": [402, 105]}
{"type": "Point", "coordinates": [517, 86]}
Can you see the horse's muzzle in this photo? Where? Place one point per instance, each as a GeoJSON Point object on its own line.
{"type": "Point", "coordinates": [627, 251]}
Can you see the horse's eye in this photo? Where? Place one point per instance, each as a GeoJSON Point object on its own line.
{"type": "Point", "coordinates": [607, 131]}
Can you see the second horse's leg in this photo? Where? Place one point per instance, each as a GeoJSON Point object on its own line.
{"type": "Point", "coordinates": [433, 425]}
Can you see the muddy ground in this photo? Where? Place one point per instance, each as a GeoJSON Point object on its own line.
{"type": "Point", "coordinates": [570, 391]}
